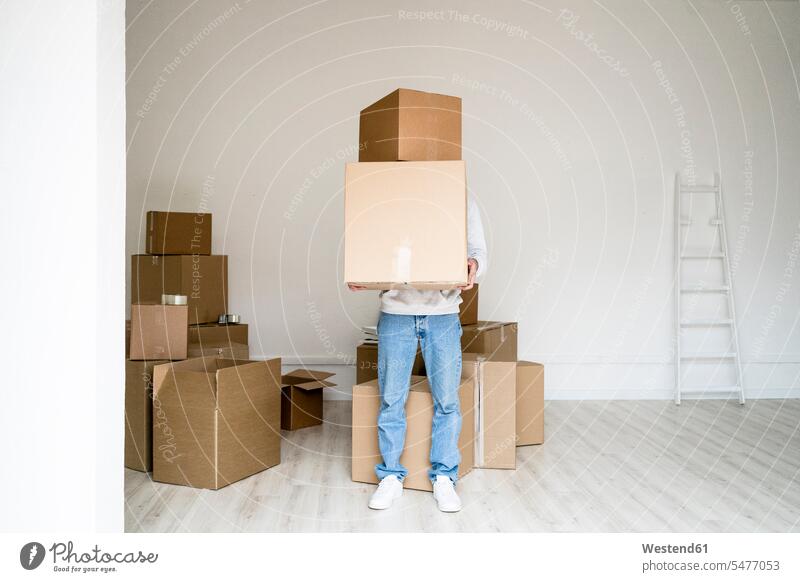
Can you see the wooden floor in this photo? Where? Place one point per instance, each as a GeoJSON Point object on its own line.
{"type": "Point", "coordinates": [706, 466]}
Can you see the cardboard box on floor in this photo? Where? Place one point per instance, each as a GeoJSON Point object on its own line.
{"type": "Point", "coordinates": [139, 414]}
{"type": "Point", "coordinates": [468, 310]}
{"type": "Point", "coordinates": [178, 233]}
{"type": "Point", "coordinates": [495, 401]}
{"type": "Point", "coordinates": [405, 225]}
{"type": "Point", "coordinates": [411, 125]}
{"type": "Point", "coordinates": [496, 340]}
{"type": "Point", "coordinates": [367, 363]}
{"type": "Point", "coordinates": [158, 332]}
{"type": "Point", "coordinates": [215, 421]}
{"type": "Point", "coordinates": [419, 415]}
{"type": "Point", "coordinates": [202, 278]}
{"type": "Point", "coordinates": [224, 350]}
{"type": "Point", "coordinates": [530, 404]}
{"type": "Point", "coordinates": [218, 333]}
{"type": "Point", "coordinates": [301, 398]}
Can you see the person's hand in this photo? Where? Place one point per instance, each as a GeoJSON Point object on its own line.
{"type": "Point", "coordinates": [356, 287]}
{"type": "Point", "coordinates": [472, 269]}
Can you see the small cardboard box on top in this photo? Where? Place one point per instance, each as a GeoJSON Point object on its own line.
{"type": "Point", "coordinates": [405, 225]}
{"type": "Point", "coordinates": [367, 363]}
{"type": "Point", "coordinates": [411, 125]}
{"type": "Point", "coordinates": [215, 421]}
{"type": "Point", "coordinates": [496, 340]}
{"type": "Point", "coordinates": [178, 233]}
{"type": "Point", "coordinates": [419, 416]}
{"type": "Point", "coordinates": [301, 398]}
{"type": "Point", "coordinates": [202, 278]}
{"type": "Point", "coordinates": [139, 414]}
{"type": "Point", "coordinates": [158, 332]}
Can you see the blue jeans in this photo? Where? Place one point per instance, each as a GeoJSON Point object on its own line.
{"type": "Point", "coordinates": [440, 337]}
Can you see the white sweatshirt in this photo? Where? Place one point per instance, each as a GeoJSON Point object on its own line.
{"type": "Point", "coordinates": [418, 302]}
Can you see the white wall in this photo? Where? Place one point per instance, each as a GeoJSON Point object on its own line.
{"type": "Point", "coordinates": [251, 109]}
{"type": "Point", "coordinates": [62, 163]}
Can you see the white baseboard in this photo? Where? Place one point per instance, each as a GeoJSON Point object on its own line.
{"type": "Point", "coordinates": [647, 377]}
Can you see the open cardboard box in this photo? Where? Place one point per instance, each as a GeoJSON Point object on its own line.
{"type": "Point", "coordinates": [301, 398]}
{"type": "Point", "coordinates": [215, 421]}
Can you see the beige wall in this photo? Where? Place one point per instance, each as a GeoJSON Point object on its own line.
{"type": "Point", "coordinates": [250, 109]}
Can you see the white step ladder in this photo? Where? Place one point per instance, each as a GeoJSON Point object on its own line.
{"type": "Point", "coordinates": [684, 290]}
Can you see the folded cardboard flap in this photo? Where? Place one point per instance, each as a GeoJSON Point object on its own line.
{"type": "Point", "coordinates": [304, 375]}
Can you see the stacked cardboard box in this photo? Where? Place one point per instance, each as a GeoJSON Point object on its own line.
{"type": "Point", "coordinates": [179, 263]}
{"type": "Point", "coordinates": [405, 227]}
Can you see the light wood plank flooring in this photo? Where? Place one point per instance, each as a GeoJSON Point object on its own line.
{"type": "Point", "coordinates": [706, 466]}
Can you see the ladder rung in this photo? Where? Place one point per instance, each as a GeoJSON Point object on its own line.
{"type": "Point", "coordinates": [710, 356]}
{"type": "Point", "coordinates": [715, 222]}
{"type": "Point", "coordinates": [700, 389]}
{"type": "Point", "coordinates": [686, 222]}
{"type": "Point", "coordinates": [702, 255]}
{"type": "Point", "coordinates": [702, 289]}
{"type": "Point", "coordinates": [699, 189]}
{"type": "Point", "coordinates": [704, 322]}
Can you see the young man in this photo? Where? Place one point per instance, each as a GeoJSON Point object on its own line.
{"type": "Point", "coordinates": [430, 318]}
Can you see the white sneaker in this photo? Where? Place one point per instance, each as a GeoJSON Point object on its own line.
{"type": "Point", "coordinates": [389, 489]}
{"type": "Point", "coordinates": [445, 495]}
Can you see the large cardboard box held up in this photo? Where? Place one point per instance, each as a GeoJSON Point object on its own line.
{"type": "Point", "coordinates": [202, 278]}
{"type": "Point", "coordinates": [468, 309]}
{"type": "Point", "coordinates": [405, 225]}
{"type": "Point", "coordinates": [139, 414]}
{"type": "Point", "coordinates": [495, 397]}
{"type": "Point", "coordinates": [411, 125]}
{"type": "Point", "coordinates": [367, 363]}
{"type": "Point", "coordinates": [158, 332]}
{"type": "Point", "coordinates": [178, 233]}
{"type": "Point", "coordinates": [496, 340]}
{"type": "Point", "coordinates": [218, 333]}
{"type": "Point", "coordinates": [301, 398]}
{"type": "Point", "coordinates": [419, 416]}
{"type": "Point", "coordinates": [530, 403]}
{"type": "Point", "coordinates": [215, 421]}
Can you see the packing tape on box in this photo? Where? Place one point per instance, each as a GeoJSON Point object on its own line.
{"type": "Point", "coordinates": [229, 318]}
{"type": "Point", "coordinates": [167, 299]}
{"type": "Point", "coordinates": [401, 263]}
{"type": "Point", "coordinates": [479, 415]}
